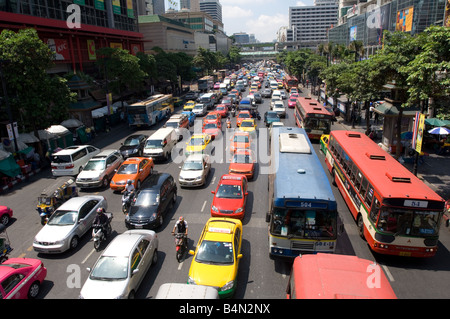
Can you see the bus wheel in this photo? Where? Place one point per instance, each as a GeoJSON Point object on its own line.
{"type": "Point", "coordinates": [360, 224]}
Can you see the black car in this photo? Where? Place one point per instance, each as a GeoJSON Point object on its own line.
{"type": "Point", "coordinates": [133, 145]}
{"type": "Point", "coordinates": [266, 93]}
{"type": "Point", "coordinates": [154, 200]}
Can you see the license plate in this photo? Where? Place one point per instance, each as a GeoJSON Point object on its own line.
{"type": "Point", "coordinates": [405, 253]}
{"type": "Point", "coordinates": [137, 226]}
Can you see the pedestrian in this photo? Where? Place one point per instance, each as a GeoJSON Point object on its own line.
{"type": "Point", "coordinates": [88, 133]}
{"type": "Point", "coordinates": [375, 118]}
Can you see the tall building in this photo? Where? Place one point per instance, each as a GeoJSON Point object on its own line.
{"type": "Point", "coordinates": [311, 23]}
{"type": "Point", "coordinates": [146, 7]}
{"type": "Point", "coordinates": [212, 7]}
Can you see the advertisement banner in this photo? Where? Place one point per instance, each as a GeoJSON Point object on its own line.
{"type": "Point", "coordinates": [353, 33]}
{"type": "Point", "coordinates": [116, 6]}
{"type": "Point", "coordinates": [115, 45]}
{"type": "Point", "coordinates": [91, 50]}
{"type": "Point", "coordinates": [404, 20]}
{"type": "Point", "coordinates": [79, 2]}
{"type": "Point", "coordinates": [60, 48]}
{"type": "Point", "coordinates": [447, 14]}
{"type": "Point", "coordinates": [419, 126]}
{"type": "Point", "coordinates": [100, 4]}
{"type": "Point", "coordinates": [130, 11]}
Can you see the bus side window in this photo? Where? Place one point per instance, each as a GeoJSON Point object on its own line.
{"type": "Point", "coordinates": [364, 186]}
{"type": "Point", "coordinates": [374, 210]}
{"type": "Point", "coordinates": [369, 196]}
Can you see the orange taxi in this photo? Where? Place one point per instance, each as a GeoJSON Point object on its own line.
{"type": "Point", "coordinates": [240, 140]}
{"type": "Point", "coordinates": [242, 163]}
{"type": "Point", "coordinates": [135, 169]}
{"type": "Point", "coordinates": [242, 115]}
{"type": "Point", "coordinates": [211, 117]}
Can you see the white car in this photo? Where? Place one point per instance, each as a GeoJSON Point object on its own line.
{"type": "Point", "coordinates": [195, 170]}
{"type": "Point", "coordinates": [68, 224]}
{"type": "Point", "coordinates": [200, 109]}
{"type": "Point", "coordinates": [279, 107]}
{"type": "Point", "coordinates": [120, 269]}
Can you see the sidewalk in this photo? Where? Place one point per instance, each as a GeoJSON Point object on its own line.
{"type": "Point", "coordinates": [435, 171]}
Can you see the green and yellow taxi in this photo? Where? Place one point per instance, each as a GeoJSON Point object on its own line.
{"type": "Point", "coordinates": [324, 143]}
{"type": "Point", "coordinates": [189, 105]}
{"type": "Point", "coordinates": [199, 143]}
{"type": "Point", "coordinates": [217, 255]}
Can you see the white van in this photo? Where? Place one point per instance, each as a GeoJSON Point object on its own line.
{"type": "Point", "coordinates": [70, 161]}
{"type": "Point", "coordinates": [208, 99]}
{"type": "Point", "coordinates": [274, 85]}
{"type": "Point", "coordinates": [186, 291]}
{"type": "Point", "coordinates": [160, 144]}
{"type": "Point", "coordinates": [276, 94]}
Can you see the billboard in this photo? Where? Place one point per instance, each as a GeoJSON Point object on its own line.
{"type": "Point", "coordinates": [404, 20]}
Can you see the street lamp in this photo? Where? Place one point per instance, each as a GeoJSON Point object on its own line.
{"type": "Point", "coordinates": [8, 107]}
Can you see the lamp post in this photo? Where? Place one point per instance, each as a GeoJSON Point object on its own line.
{"type": "Point", "coordinates": [8, 107]}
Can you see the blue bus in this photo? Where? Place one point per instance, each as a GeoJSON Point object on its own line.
{"type": "Point", "coordinates": [151, 110]}
{"type": "Point", "coordinates": [302, 213]}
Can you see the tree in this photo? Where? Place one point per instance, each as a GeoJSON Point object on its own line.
{"type": "Point", "coordinates": [37, 98]}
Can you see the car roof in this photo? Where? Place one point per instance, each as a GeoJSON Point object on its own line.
{"type": "Point", "coordinates": [195, 157]}
{"type": "Point", "coordinates": [221, 229]}
{"type": "Point", "coordinates": [134, 160]}
{"type": "Point", "coordinates": [154, 181]}
{"type": "Point", "coordinates": [71, 149]}
{"type": "Point", "coordinates": [105, 153]}
{"type": "Point", "coordinates": [231, 179]}
{"type": "Point", "coordinates": [77, 202]}
{"type": "Point", "coordinates": [123, 244]}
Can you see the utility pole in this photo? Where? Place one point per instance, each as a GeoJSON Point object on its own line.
{"type": "Point", "coordinates": [8, 107]}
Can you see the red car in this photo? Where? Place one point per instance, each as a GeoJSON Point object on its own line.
{"type": "Point", "coordinates": [230, 197]}
{"type": "Point", "coordinates": [291, 102]}
{"type": "Point", "coordinates": [214, 129]}
{"type": "Point", "coordinates": [242, 163]}
{"type": "Point", "coordinates": [222, 109]}
{"type": "Point", "coordinates": [21, 278]}
{"type": "Point", "coordinates": [5, 215]}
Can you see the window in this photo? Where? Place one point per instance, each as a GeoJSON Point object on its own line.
{"type": "Point", "coordinates": [143, 245]}
{"type": "Point", "coordinates": [135, 260]}
{"type": "Point", "coordinates": [11, 282]}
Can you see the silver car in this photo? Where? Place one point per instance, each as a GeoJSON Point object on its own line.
{"type": "Point", "coordinates": [100, 169]}
{"type": "Point", "coordinates": [195, 170]}
{"type": "Point", "coordinates": [120, 269]}
{"type": "Point", "coordinates": [68, 224]}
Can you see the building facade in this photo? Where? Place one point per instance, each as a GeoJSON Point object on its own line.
{"type": "Point", "coordinates": [212, 7]}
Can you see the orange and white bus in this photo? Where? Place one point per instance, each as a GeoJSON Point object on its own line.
{"type": "Point", "coordinates": [313, 117]}
{"type": "Point", "coordinates": [290, 82]}
{"type": "Point", "coordinates": [331, 276]}
{"type": "Point", "coordinates": [395, 211]}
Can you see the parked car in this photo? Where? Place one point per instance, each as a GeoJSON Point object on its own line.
{"type": "Point", "coordinates": [195, 170]}
{"type": "Point", "coordinates": [217, 255]}
{"type": "Point", "coordinates": [68, 224]}
{"type": "Point", "coordinates": [152, 202]}
{"type": "Point", "coordinates": [5, 215]}
{"type": "Point", "coordinates": [119, 271]}
{"type": "Point", "coordinates": [133, 145]}
{"type": "Point", "coordinates": [136, 169]}
{"type": "Point", "coordinates": [70, 161]}
{"type": "Point", "coordinates": [21, 278]}
{"type": "Point", "coordinates": [100, 169]}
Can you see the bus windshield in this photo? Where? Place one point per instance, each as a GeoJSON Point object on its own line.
{"type": "Point", "coordinates": [408, 222]}
{"type": "Point", "coordinates": [315, 123]}
{"type": "Point", "coordinates": [304, 223]}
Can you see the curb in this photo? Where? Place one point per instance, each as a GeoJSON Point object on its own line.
{"type": "Point", "coordinates": [19, 179]}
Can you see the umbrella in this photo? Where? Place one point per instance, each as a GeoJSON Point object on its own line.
{"type": "Point", "coordinates": [434, 121]}
{"type": "Point", "coordinates": [406, 135]}
{"type": "Point", "coordinates": [72, 123]}
{"type": "Point", "coordinates": [439, 131]}
{"type": "Point", "coordinates": [57, 130]}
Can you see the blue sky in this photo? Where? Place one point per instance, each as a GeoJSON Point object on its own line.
{"type": "Point", "coordinates": [263, 18]}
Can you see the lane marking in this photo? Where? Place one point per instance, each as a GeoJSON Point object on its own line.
{"type": "Point", "coordinates": [180, 265]}
{"type": "Point", "coordinates": [388, 273]}
{"type": "Point", "coordinates": [203, 207]}
{"type": "Point", "coordinates": [89, 255]}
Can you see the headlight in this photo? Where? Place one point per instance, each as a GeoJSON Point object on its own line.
{"type": "Point", "coordinates": [191, 281]}
{"type": "Point", "coordinates": [229, 285]}
{"type": "Point", "coordinates": [239, 210]}
{"type": "Point", "coordinates": [214, 208]}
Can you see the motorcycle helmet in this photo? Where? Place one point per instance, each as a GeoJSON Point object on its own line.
{"type": "Point", "coordinates": [129, 182]}
{"type": "Point", "coordinates": [100, 210]}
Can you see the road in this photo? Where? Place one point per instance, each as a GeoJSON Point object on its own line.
{"type": "Point", "coordinates": [259, 276]}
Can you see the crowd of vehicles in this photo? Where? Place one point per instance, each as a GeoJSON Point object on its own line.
{"type": "Point", "coordinates": [302, 212]}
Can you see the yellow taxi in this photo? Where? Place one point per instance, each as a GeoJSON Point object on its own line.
{"type": "Point", "coordinates": [217, 255]}
{"type": "Point", "coordinates": [189, 105]}
{"type": "Point", "coordinates": [199, 143]}
{"type": "Point", "coordinates": [248, 125]}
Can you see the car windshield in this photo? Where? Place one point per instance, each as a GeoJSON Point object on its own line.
{"type": "Point", "coordinates": [95, 165]}
{"type": "Point", "coordinates": [244, 115]}
{"type": "Point", "coordinates": [272, 115]}
{"type": "Point", "coordinates": [211, 117]}
{"type": "Point", "coordinates": [110, 268]}
{"type": "Point", "coordinates": [131, 141]}
{"type": "Point", "coordinates": [63, 218]}
{"type": "Point", "coordinates": [172, 124]}
{"type": "Point", "coordinates": [242, 158]}
{"type": "Point", "coordinates": [196, 141]}
{"type": "Point", "coordinates": [60, 159]}
{"type": "Point", "coordinates": [240, 139]}
{"type": "Point", "coordinates": [153, 144]}
{"type": "Point", "coordinates": [247, 124]}
{"type": "Point", "coordinates": [215, 252]}
{"type": "Point", "coordinates": [229, 191]}
{"type": "Point", "coordinates": [210, 125]}
{"type": "Point", "coordinates": [127, 169]}
{"type": "Point", "coordinates": [146, 198]}
{"type": "Point", "coordinates": [192, 166]}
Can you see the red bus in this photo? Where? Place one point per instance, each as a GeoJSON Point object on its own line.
{"type": "Point", "coordinates": [290, 82]}
{"type": "Point", "coordinates": [395, 211]}
{"type": "Point", "coordinates": [331, 276]}
{"type": "Point", "coordinates": [313, 117]}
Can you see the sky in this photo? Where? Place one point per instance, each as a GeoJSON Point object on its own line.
{"type": "Point", "coordinates": [263, 18]}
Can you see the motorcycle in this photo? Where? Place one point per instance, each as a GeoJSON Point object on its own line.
{"type": "Point", "coordinates": [100, 232]}
{"type": "Point", "coordinates": [180, 245]}
{"type": "Point", "coordinates": [228, 123]}
{"type": "Point", "coordinates": [127, 199]}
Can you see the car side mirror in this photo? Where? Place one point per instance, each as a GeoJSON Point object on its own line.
{"type": "Point", "coordinates": [191, 252]}
{"type": "Point", "coordinates": [239, 256]}
{"type": "Point", "coordinates": [213, 192]}
{"type": "Point", "coordinates": [135, 271]}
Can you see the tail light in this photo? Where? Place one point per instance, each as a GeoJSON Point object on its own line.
{"type": "Point", "coordinates": [69, 166]}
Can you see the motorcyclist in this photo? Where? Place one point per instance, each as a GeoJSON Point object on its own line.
{"type": "Point", "coordinates": [181, 226]}
{"type": "Point", "coordinates": [228, 122]}
{"type": "Point", "coordinates": [101, 219]}
{"type": "Point", "coordinates": [129, 188]}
